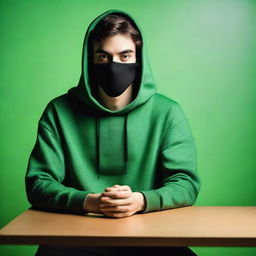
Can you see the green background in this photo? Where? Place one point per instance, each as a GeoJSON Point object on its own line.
{"type": "Point", "coordinates": [202, 54]}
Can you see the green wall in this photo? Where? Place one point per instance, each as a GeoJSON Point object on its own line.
{"type": "Point", "coordinates": [202, 54]}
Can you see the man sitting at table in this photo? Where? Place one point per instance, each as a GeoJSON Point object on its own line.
{"type": "Point", "coordinates": [112, 144]}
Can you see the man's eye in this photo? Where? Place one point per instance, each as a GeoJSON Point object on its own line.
{"type": "Point", "coordinates": [103, 57]}
{"type": "Point", "coordinates": [126, 56]}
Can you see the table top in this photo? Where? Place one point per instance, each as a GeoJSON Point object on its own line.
{"type": "Point", "coordinates": [185, 226]}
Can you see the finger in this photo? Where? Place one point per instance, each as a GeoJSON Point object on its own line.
{"type": "Point", "coordinates": [118, 188]}
{"type": "Point", "coordinates": [118, 214]}
{"type": "Point", "coordinates": [117, 194]}
{"type": "Point", "coordinates": [114, 187]}
{"type": "Point", "coordinates": [105, 201]}
{"type": "Point", "coordinates": [109, 189]}
{"type": "Point", "coordinates": [124, 187]}
{"type": "Point", "coordinates": [119, 208]}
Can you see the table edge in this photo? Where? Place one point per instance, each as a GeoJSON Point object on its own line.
{"type": "Point", "coordinates": [127, 241]}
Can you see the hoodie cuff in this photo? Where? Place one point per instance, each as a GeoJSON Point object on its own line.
{"type": "Point", "coordinates": [152, 201]}
{"type": "Point", "coordinates": [78, 200]}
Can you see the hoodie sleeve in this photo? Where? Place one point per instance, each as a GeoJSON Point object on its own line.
{"type": "Point", "coordinates": [46, 172]}
{"type": "Point", "coordinates": [178, 160]}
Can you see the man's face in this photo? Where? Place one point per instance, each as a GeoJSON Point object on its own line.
{"type": "Point", "coordinates": [119, 48]}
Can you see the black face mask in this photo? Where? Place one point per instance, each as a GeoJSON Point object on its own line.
{"type": "Point", "coordinates": [114, 77]}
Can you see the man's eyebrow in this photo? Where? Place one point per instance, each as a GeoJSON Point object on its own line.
{"type": "Point", "coordinates": [122, 52]}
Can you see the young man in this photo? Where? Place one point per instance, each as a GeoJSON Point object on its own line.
{"type": "Point", "coordinates": [112, 145]}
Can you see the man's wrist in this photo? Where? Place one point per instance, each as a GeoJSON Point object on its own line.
{"type": "Point", "coordinates": [90, 203]}
{"type": "Point", "coordinates": [141, 201]}
{"type": "Point", "coordinates": [86, 203]}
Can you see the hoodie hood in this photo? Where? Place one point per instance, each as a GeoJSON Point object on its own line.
{"type": "Point", "coordinates": [147, 87]}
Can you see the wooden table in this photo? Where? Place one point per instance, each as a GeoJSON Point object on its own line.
{"type": "Point", "coordinates": [186, 226]}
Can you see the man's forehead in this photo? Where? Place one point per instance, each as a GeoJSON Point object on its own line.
{"type": "Point", "coordinates": [118, 43]}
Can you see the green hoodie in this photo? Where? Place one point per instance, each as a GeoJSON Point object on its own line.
{"type": "Point", "coordinates": [83, 147]}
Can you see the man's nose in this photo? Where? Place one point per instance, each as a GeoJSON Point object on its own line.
{"type": "Point", "coordinates": [115, 58]}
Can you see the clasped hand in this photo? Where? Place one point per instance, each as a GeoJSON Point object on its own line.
{"type": "Point", "coordinates": [116, 201]}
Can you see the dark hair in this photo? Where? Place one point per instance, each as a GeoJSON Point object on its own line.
{"type": "Point", "coordinates": [114, 24]}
